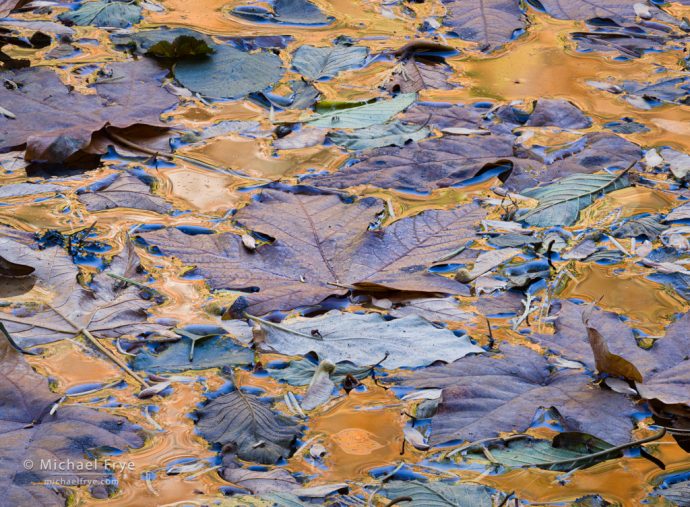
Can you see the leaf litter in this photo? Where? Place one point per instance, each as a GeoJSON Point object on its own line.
{"type": "Point", "coordinates": [429, 293]}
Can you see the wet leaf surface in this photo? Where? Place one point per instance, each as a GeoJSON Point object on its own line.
{"type": "Point", "coordinates": [402, 228]}
{"type": "Point", "coordinates": [31, 433]}
{"type": "Point", "coordinates": [322, 241]}
{"type": "Point", "coordinates": [248, 426]}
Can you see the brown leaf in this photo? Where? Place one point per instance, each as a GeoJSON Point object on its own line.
{"type": "Point", "coordinates": [484, 396]}
{"type": "Point", "coordinates": [55, 122]}
{"type": "Point", "coordinates": [30, 434]}
{"type": "Point", "coordinates": [319, 241]}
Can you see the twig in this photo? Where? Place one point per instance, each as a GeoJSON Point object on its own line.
{"type": "Point", "coordinates": [398, 500]}
{"type": "Point", "coordinates": [171, 156]}
{"type": "Point", "coordinates": [278, 326]}
{"type": "Point", "coordinates": [86, 333]}
{"type": "Point", "coordinates": [370, 503]}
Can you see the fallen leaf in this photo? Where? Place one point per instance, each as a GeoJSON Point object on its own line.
{"type": "Point", "coordinates": [300, 373]}
{"type": "Point", "coordinates": [122, 190]}
{"type": "Point", "coordinates": [297, 12]}
{"type": "Point", "coordinates": [426, 165]}
{"type": "Point", "coordinates": [260, 482]}
{"type": "Point", "coordinates": [30, 434]}
{"type": "Point", "coordinates": [106, 13]}
{"type": "Point", "coordinates": [320, 240]}
{"type": "Point", "coordinates": [56, 123]}
{"type": "Point", "coordinates": [409, 342]}
{"type": "Point", "coordinates": [560, 203]}
{"type": "Point", "coordinates": [558, 113]}
{"type": "Point", "coordinates": [319, 63]}
{"type": "Point", "coordinates": [491, 23]}
{"type": "Point", "coordinates": [484, 396]}
{"type": "Point", "coordinates": [362, 116]}
{"type": "Point", "coordinates": [229, 73]}
{"type": "Point", "coordinates": [417, 73]}
{"type": "Point", "coordinates": [244, 422]}
{"type": "Point", "coordinates": [440, 494]}
{"type": "Point", "coordinates": [389, 134]}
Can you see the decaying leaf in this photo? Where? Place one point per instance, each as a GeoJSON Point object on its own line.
{"type": "Point", "coordinates": [30, 433]}
{"type": "Point", "coordinates": [560, 203]}
{"type": "Point", "coordinates": [362, 116]}
{"type": "Point", "coordinates": [248, 426]}
{"type": "Point", "coordinates": [56, 122]}
{"type": "Point", "coordinates": [408, 342]}
{"type": "Point", "coordinates": [321, 241]}
{"type": "Point", "coordinates": [108, 13]}
{"type": "Point", "coordinates": [485, 395]}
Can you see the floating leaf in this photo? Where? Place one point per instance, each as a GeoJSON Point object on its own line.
{"type": "Point", "coordinates": [491, 23]}
{"type": "Point", "coordinates": [560, 203]}
{"type": "Point", "coordinates": [229, 73]}
{"type": "Point", "coordinates": [409, 342]}
{"type": "Point", "coordinates": [439, 494]}
{"type": "Point", "coordinates": [57, 122]}
{"type": "Point", "coordinates": [558, 113]}
{"type": "Point", "coordinates": [427, 165]}
{"type": "Point", "coordinates": [294, 12]}
{"type": "Point", "coordinates": [300, 373]}
{"type": "Point", "coordinates": [585, 9]}
{"type": "Point", "coordinates": [417, 73]}
{"type": "Point", "coordinates": [244, 422]}
{"type": "Point", "coordinates": [486, 395]}
{"type": "Point", "coordinates": [108, 13]}
{"type": "Point", "coordinates": [318, 63]}
{"type": "Point", "coordinates": [390, 134]}
{"type": "Point", "coordinates": [319, 241]}
{"type": "Point", "coordinates": [367, 115]}
{"type": "Point", "coordinates": [30, 433]}
{"type": "Point", "coordinates": [122, 190]}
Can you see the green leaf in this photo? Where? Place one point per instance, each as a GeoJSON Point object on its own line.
{"type": "Point", "coordinates": [560, 203]}
{"type": "Point", "coordinates": [229, 73]}
{"type": "Point", "coordinates": [438, 494]}
{"type": "Point", "coordinates": [390, 134]}
{"type": "Point", "coordinates": [318, 63]}
{"type": "Point", "coordinates": [367, 115]}
{"type": "Point", "coordinates": [107, 13]}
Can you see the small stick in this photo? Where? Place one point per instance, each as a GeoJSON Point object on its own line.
{"type": "Point", "coordinates": [101, 347]}
{"type": "Point", "coordinates": [171, 156]}
{"type": "Point", "coordinates": [278, 326]}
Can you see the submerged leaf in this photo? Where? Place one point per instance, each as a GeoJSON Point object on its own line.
{"type": "Point", "coordinates": [560, 203]}
{"type": "Point", "coordinates": [300, 373]}
{"type": "Point", "coordinates": [31, 433]}
{"type": "Point", "coordinates": [229, 73]}
{"type": "Point", "coordinates": [252, 430]}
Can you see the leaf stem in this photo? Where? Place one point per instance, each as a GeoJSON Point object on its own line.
{"type": "Point", "coordinates": [278, 326]}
